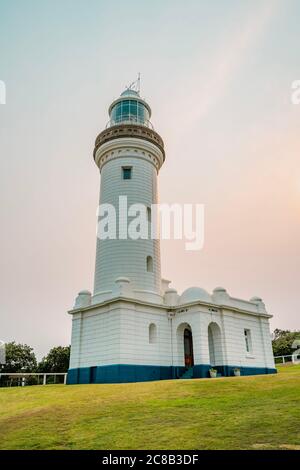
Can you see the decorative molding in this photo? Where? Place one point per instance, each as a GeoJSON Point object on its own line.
{"type": "Point", "coordinates": [177, 309]}
{"type": "Point", "coordinates": [127, 130]}
{"type": "Point", "coordinates": [129, 147]}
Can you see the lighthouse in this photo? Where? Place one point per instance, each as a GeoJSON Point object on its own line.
{"type": "Point", "coordinates": [129, 154]}
{"type": "Point", "coordinates": [134, 326]}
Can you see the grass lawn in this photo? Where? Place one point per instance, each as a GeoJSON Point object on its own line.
{"type": "Point", "coordinates": [259, 412]}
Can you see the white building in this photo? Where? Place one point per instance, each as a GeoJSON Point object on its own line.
{"type": "Point", "coordinates": [134, 327]}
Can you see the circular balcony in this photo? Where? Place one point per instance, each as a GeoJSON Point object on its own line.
{"type": "Point", "coordinates": [132, 129]}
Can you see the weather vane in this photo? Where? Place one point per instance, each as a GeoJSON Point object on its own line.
{"type": "Point", "coordinates": [136, 85]}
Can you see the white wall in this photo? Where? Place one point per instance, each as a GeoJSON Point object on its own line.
{"type": "Point", "coordinates": [96, 338]}
{"type": "Point", "coordinates": [119, 334]}
{"type": "Point", "coordinates": [135, 346]}
{"type": "Point", "coordinates": [127, 258]}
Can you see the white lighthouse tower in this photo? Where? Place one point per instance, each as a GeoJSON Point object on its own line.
{"type": "Point", "coordinates": [134, 327]}
{"type": "Point", "coordinates": [129, 154]}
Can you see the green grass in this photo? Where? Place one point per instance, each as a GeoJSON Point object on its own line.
{"type": "Point", "coordinates": [259, 412]}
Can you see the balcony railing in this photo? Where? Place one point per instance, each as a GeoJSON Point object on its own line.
{"type": "Point", "coordinates": [130, 120]}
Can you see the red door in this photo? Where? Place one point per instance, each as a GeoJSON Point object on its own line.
{"type": "Point", "coordinates": [188, 348]}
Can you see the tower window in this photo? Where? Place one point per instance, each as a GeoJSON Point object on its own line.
{"type": "Point", "coordinates": [126, 172]}
{"type": "Point", "coordinates": [149, 214]}
{"type": "Point", "coordinates": [152, 333]}
{"type": "Point", "coordinates": [248, 342]}
{"type": "Point", "coordinates": [149, 264]}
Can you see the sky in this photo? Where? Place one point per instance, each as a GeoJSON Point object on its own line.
{"type": "Point", "coordinates": [218, 77]}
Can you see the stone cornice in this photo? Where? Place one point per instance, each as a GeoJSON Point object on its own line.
{"type": "Point", "coordinates": [129, 130]}
{"type": "Point", "coordinates": [175, 309]}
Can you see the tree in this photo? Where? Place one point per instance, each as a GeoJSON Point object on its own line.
{"type": "Point", "coordinates": [283, 340]}
{"type": "Point", "coordinates": [57, 360]}
{"type": "Point", "coordinates": [19, 358]}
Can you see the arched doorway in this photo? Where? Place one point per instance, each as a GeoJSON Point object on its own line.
{"type": "Point", "coordinates": [188, 348]}
{"type": "Point", "coordinates": [215, 345]}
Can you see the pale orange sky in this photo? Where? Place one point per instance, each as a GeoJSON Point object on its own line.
{"type": "Point", "coordinates": [218, 77]}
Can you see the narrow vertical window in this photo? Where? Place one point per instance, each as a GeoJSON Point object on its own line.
{"type": "Point", "coordinates": [149, 228]}
{"type": "Point", "coordinates": [126, 172]}
{"type": "Point", "coordinates": [150, 264]}
{"type": "Point", "coordinates": [248, 344]}
{"type": "Point", "coordinates": [152, 333]}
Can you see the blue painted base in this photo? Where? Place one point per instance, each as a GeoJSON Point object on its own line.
{"type": "Point", "coordinates": [227, 371]}
{"type": "Point", "coordinates": [121, 373]}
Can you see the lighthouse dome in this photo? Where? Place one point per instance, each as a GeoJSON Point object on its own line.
{"type": "Point", "coordinates": [193, 294]}
{"type": "Point", "coordinates": [129, 92]}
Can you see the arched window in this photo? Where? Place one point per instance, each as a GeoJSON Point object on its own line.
{"type": "Point", "coordinates": [248, 342]}
{"type": "Point", "coordinates": [150, 264]}
{"type": "Point", "coordinates": [152, 333]}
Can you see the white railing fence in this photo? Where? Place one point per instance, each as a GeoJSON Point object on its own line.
{"type": "Point", "coordinates": [291, 358]}
{"type": "Point", "coordinates": [22, 378]}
